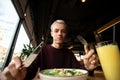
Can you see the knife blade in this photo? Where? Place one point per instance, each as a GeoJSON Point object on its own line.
{"type": "Point", "coordinates": [33, 55]}
{"type": "Point", "coordinates": [82, 40]}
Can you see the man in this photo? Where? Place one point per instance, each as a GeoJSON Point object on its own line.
{"type": "Point", "coordinates": [51, 56]}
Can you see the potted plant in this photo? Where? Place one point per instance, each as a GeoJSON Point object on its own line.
{"type": "Point", "coordinates": [26, 51]}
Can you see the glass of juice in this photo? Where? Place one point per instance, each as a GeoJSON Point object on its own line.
{"type": "Point", "coordinates": [109, 56]}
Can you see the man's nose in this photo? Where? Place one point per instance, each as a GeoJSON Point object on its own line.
{"type": "Point", "coordinates": [60, 32]}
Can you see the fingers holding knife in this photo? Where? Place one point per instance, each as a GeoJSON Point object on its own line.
{"type": "Point", "coordinates": [90, 58]}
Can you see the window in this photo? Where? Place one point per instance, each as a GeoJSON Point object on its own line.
{"type": "Point", "coordinates": [21, 40]}
{"type": "Point", "coordinates": [8, 24]}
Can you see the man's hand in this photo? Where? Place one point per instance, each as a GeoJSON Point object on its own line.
{"type": "Point", "coordinates": [15, 70]}
{"type": "Point", "coordinates": [90, 58]}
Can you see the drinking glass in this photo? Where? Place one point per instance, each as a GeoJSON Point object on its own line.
{"type": "Point", "coordinates": [109, 56]}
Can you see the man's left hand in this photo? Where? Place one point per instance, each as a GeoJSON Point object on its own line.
{"type": "Point", "coordinates": [90, 59]}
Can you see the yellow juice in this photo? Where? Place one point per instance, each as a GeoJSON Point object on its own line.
{"type": "Point", "coordinates": [109, 56]}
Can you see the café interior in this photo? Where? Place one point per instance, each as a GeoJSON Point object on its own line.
{"type": "Point", "coordinates": [88, 19]}
{"type": "Point", "coordinates": [94, 20]}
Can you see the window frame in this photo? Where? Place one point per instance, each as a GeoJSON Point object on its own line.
{"type": "Point", "coordinates": [12, 46]}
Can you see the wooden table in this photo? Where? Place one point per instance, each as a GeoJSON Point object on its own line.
{"type": "Point", "coordinates": [98, 75]}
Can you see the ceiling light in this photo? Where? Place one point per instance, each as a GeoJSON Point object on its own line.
{"type": "Point", "coordinates": [83, 1]}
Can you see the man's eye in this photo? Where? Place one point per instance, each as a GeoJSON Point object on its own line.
{"type": "Point", "coordinates": [63, 31]}
{"type": "Point", "coordinates": [56, 31]}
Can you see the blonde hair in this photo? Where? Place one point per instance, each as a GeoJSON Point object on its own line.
{"type": "Point", "coordinates": [58, 21]}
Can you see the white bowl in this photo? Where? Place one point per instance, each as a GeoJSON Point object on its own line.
{"type": "Point", "coordinates": [83, 76]}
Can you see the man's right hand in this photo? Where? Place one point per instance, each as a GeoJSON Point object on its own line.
{"type": "Point", "coordinates": [15, 70]}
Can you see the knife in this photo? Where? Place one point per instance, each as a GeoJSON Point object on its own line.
{"type": "Point", "coordinates": [82, 40]}
{"type": "Point", "coordinates": [33, 55]}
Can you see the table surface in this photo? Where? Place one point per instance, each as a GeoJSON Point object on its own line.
{"type": "Point", "coordinates": [98, 75]}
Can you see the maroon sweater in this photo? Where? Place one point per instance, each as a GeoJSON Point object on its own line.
{"type": "Point", "coordinates": [51, 57]}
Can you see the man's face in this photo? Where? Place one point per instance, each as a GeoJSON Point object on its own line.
{"type": "Point", "coordinates": [58, 32]}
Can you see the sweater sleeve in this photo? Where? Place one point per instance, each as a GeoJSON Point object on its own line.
{"type": "Point", "coordinates": [75, 63]}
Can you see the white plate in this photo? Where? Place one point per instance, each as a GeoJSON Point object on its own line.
{"type": "Point", "coordinates": [83, 76]}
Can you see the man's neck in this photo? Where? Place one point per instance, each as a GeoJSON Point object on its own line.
{"type": "Point", "coordinates": [58, 46]}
